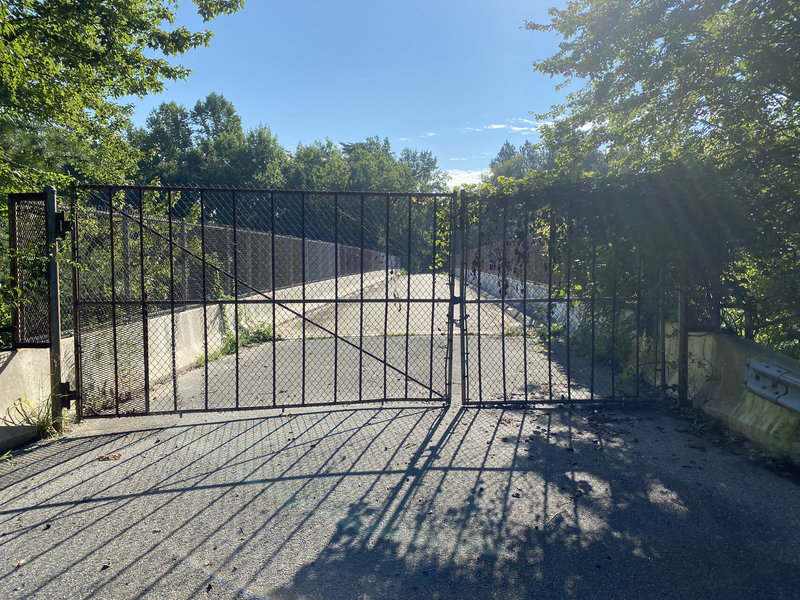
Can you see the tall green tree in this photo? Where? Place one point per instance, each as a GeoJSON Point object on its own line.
{"type": "Point", "coordinates": [318, 166]}
{"type": "Point", "coordinates": [516, 163]}
{"type": "Point", "coordinates": [425, 171]}
{"type": "Point", "coordinates": [166, 143]}
{"type": "Point", "coordinates": [666, 84]}
{"type": "Point", "coordinates": [206, 146]}
{"type": "Point", "coordinates": [265, 158]}
{"type": "Point", "coordinates": [669, 78]}
{"type": "Point", "coordinates": [219, 142]}
{"type": "Point", "coordinates": [67, 65]}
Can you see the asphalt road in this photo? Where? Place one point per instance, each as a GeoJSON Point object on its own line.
{"type": "Point", "coordinates": [409, 502]}
{"type": "Point", "coordinates": [372, 358]}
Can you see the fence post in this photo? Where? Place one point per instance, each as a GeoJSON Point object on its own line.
{"type": "Point", "coordinates": [76, 287]}
{"type": "Point", "coordinates": [454, 245]}
{"type": "Point", "coordinates": [663, 337]}
{"type": "Point", "coordinates": [462, 294]}
{"type": "Point", "coordinates": [683, 341]}
{"type": "Point", "coordinates": [54, 307]}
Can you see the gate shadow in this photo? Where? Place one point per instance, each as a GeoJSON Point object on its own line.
{"type": "Point", "coordinates": [365, 503]}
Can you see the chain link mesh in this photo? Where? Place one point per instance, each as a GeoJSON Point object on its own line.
{"type": "Point", "coordinates": [29, 271]}
{"type": "Point", "coordinates": [553, 309]}
{"type": "Point", "coordinates": [208, 299]}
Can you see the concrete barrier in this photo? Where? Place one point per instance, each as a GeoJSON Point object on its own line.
{"type": "Point", "coordinates": [491, 285]}
{"type": "Point", "coordinates": [24, 373]}
{"type": "Point", "coordinates": [717, 364]}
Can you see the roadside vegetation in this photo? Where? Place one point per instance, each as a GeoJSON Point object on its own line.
{"type": "Point", "coordinates": [683, 129]}
{"type": "Point", "coordinates": [27, 413]}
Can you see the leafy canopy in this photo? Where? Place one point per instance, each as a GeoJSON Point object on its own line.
{"type": "Point", "coordinates": [667, 84]}
{"type": "Point", "coordinates": [665, 78]}
{"type": "Point", "coordinates": [65, 66]}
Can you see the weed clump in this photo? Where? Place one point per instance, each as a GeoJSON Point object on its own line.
{"type": "Point", "coordinates": [26, 413]}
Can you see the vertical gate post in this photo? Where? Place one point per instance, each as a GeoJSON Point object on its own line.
{"type": "Point", "coordinates": [454, 244]}
{"type": "Point", "coordinates": [76, 316]}
{"type": "Point", "coordinates": [462, 295]}
{"type": "Point", "coordinates": [683, 341]}
{"type": "Point", "coordinates": [54, 307]}
{"type": "Point", "coordinates": [662, 331]}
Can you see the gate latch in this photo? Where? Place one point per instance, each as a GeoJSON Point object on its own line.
{"type": "Point", "coordinates": [67, 394]}
{"type": "Point", "coordinates": [63, 226]}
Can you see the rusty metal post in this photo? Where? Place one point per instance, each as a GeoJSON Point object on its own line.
{"type": "Point", "coordinates": [683, 342]}
{"type": "Point", "coordinates": [662, 334]}
{"type": "Point", "coordinates": [54, 306]}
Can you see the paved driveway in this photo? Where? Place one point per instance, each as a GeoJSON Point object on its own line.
{"type": "Point", "coordinates": [408, 502]}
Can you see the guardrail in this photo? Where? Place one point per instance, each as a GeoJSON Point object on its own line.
{"type": "Point", "coordinates": [773, 383]}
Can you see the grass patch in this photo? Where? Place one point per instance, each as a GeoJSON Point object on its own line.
{"type": "Point", "coordinates": [7, 457]}
{"type": "Point", "coordinates": [514, 332]}
{"type": "Point", "coordinates": [26, 413]}
{"type": "Point", "coordinates": [249, 336]}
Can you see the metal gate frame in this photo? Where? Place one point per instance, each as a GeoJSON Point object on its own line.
{"type": "Point", "coordinates": [471, 229]}
{"type": "Point", "coordinates": [120, 210]}
{"type": "Point", "coordinates": [563, 306]}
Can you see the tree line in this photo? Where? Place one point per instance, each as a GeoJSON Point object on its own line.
{"type": "Point", "coordinates": [207, 145]}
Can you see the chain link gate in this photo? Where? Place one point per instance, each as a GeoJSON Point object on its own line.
{"type": "Point", "coordinates": [551, 306]}
{"type": "Point", "coordinates": [198, 299]}
{"type": "Point", "coordinates": [202, 299]}
{"type": "Point", "coordinates": [28, 251]}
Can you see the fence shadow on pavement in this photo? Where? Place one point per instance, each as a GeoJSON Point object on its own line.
{"type": "Point", "coordinates": [372, 503]}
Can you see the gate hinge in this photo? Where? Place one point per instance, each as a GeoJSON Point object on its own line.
{"type": "Point", "coordinates": [63, 226]}
{"type": "Point", "coordinates": [67, 394]}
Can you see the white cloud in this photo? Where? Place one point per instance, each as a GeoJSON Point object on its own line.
{"type": "Point", "coordinates": [457, 158]}
{"type": "Point", "coordinates": [404, 139]}
{"type": "Point", "coordinates": [523, 126]}
{"type": "Point", "coordinates": [463, 177]}
{"type": "Point", "coordinates": [428, 134]}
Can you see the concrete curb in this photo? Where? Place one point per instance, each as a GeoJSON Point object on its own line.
{"type": "Point", "coordinates": [12, 436]}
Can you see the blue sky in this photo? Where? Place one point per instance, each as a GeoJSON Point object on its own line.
{"type": "Point", "coordinates": [451, 77]}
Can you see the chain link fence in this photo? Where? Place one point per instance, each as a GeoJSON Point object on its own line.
{"type": "Point", "coordinates": [202, 299]}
